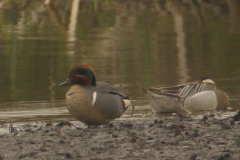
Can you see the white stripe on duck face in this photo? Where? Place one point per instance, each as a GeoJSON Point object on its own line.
{"type": "Point", "coordinates": [208, 81]}
{"type": "Point", "coordinates": [94, 98]}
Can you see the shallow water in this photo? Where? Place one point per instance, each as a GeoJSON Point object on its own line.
{"type": "Point", "coordinates": [142, 44]}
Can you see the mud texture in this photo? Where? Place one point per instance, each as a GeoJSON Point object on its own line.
{"type": "Point", "coordinates": [163, 138]}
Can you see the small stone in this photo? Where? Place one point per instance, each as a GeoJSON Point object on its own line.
{"type": "Point", "coordinates": [149, 138]}
{"type": "Point", "coordinates": [110, 125]}
{"type": "Point", "coordinates": [221, 143]}
{"type": "Point", "coordinates": [176, 128]}
{"type": "Point", "coordinates": [48, 124]}
{"type": "Point", "coordinates": [224, 157]}
{"type": "Point", "coordinates": [225, 126]}
{"type": "Point", "coordinates": [211, 115]}
{"type": "Point", "coordinates": [68, 155]}
{"type": "Point", "coordinates": [46, 131]}
{"type": "Point", "coordinates": [114, 135]}
{"type": "Point", "coordinates": [151, 125]}
{"type": "Point", "coordinates": [18, 142]}
{"type": "Point", "coordinates": [160, 121]}
{"type": "Point", "coordinates": [182, 126]}
{"type": "Point", "coordinates": [48, 140]}
{"type": "Point", "coordinates": [30, 141]}
{"type": "Point", "coordinates": [193, 157]}
{"type": "Point", "coordinates": [133, 140]}
{"type": "Point", "coordinates": [204, 118]}
{"type": "Point", "coordinates": [128, 125]}
{"type": "Point", "coordinates": [72, 144]}
{"type": "Point", "coordinates": [237, 141]}
{"type": "Point", "coordinates": [194, 133]}
{"type": "Point", "coordinates": [62, 141]}
{"type": "Point", "coordinates": [231, 122]}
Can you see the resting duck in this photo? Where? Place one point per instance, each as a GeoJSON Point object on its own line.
{"type": "Point", "coordinates": [94, 103]}
{"type": "Point", "coordinates": [188, 97]}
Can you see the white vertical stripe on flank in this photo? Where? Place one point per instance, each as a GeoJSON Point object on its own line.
{"type": "Point", "coordinates": [94, 98]}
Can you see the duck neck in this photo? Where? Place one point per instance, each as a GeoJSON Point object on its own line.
{"type": "Point", "coordinates": [93, 81]}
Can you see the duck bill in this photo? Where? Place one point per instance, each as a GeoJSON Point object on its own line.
{"type": "Point", "coordinates": [68, 81]}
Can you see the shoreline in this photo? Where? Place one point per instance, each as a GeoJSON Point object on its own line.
{"type": "Point", "coordinates": [140, 138]}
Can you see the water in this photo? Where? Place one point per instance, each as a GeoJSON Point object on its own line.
{"type": "Point", "coordinates": [142, 44]}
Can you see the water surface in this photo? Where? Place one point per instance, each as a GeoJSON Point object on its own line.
{"type": "Point", "coordinates": [142, 44]}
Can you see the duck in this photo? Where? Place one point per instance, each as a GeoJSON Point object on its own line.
{"type": "Point", "coordinates": [94, 103]}
{"type": "Point", "coordinates": [190, 97]}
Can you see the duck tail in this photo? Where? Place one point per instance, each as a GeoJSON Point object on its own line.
{"type": "Point", "coordinates": [128, 103]}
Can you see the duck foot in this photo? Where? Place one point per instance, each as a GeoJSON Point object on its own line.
{"type": "Point", "coordinates": [132, 110]}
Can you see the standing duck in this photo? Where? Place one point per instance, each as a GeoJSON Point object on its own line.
{"type": "Point", "coordinates": [202, 95]}
{"type": "Point", "coordinates": [94, 103]}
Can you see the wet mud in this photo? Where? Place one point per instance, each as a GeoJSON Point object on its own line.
{"type": "Point", "coordinates": [139, 138]}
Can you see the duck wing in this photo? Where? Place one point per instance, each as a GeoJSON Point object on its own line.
{"type": "Point", "coordinates": [167, 90]}
{"type": "Point", "coordinates": [120, 89]}
{"type": "Point", "coordinates": [181, 91]}
{"type": "Point", "coordinates": [191, 89]}
{"type": "Point", "coordinates": [111, 100]}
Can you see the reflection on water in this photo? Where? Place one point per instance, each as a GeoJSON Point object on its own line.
{"type": "Point", "coordinates": [140, 43]}
{"type": "Point", "coordinates": [35, 111]}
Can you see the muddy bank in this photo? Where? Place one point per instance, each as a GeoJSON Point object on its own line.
{"type": "Point", "coordinates": [163, 138]}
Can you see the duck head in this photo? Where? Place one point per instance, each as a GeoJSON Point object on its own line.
{"type": "Point", "coordinates": [205, 80]}
{"type": "Point", "coordinates": [82, 75]}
